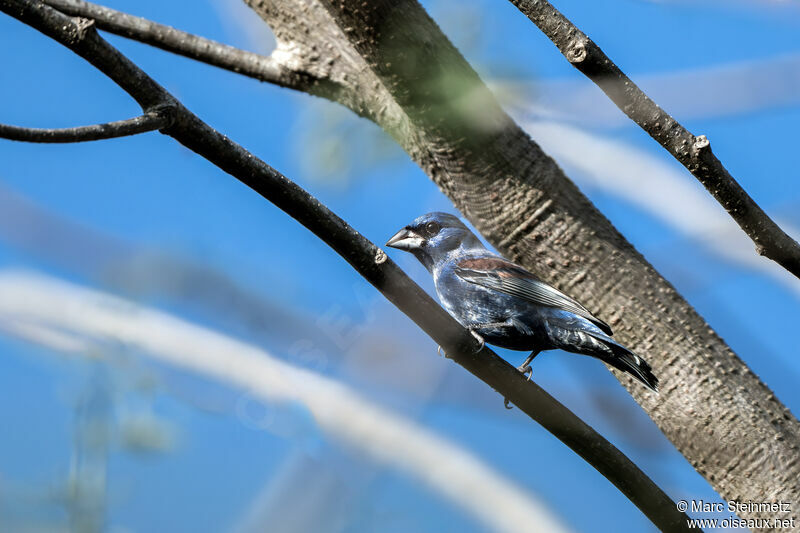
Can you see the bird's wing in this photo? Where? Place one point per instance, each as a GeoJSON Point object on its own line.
{"type": "Point", "coordinates": [504, 276]}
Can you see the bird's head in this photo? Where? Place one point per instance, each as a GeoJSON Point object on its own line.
{"type": "Point", "coordinates": [431, 237]}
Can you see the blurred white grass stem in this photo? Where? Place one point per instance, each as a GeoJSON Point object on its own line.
{"type": "Point", "coordinates": [386, 437]}
{"type": "Point", "coordinates": [658, 187]}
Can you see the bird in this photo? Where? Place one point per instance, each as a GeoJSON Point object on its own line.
{"type": "Point", "coordinates": [504, 304]}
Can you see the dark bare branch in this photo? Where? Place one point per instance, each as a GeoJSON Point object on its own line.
{"type": "Point", "coordinates": [150, 121]}
{"type": "Point", "coordinates": [260, 67]}
{"type": "Point", "coordinates": [366, 258]}
{"type": "Point", "coordinates": [693, 152]}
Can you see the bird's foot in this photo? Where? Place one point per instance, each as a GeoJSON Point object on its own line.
{"type": "Point", "coordinates": [526, 370]}
{"type": "Point", "coordinates": [481, 344]}
{"type": "Point", "coordinates": [480, 340]}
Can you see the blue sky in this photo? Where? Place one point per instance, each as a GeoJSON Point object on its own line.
{"type": "Point", "coordinates": [119, 215]}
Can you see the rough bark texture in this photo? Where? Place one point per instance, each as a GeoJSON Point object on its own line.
{"type": "Point", "coordinates": [398, 69]}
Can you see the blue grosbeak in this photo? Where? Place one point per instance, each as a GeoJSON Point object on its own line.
{"type": "Point", "coordinates": [506, 305]}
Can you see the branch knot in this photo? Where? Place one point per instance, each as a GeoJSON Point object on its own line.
{"type": "Point", "coordinates": [577, 51]}
{"type": "Point", "coordinates": [701, 144]}
{"type": "Point", "coordinates": [168, 111]}
{"type": "Point", "coordinates": [80, 29]}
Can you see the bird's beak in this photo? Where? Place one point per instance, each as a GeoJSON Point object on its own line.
{"type": "Point", "coordinates": [405, 239]}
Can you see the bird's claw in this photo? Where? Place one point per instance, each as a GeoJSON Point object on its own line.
{"type": "Point", "coordinates": [526, 370]}
{"type": "Point", "coordinates": [480, 340]}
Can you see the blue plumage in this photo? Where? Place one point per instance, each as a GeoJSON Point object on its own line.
{"type": "Point", "coordinates": [506, 304]}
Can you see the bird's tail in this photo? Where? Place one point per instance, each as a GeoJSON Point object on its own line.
{"type": "Point", "coordinates": [598, 344]}
{"type": "Point", "coordinates": [627, 361]}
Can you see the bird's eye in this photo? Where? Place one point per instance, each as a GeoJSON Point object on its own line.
{"type": "Point", "coordinates": [432, 228]}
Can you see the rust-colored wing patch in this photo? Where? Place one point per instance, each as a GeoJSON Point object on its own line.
{"type": "Point", "coordinates": [504, 276]}
{"type": "Point", "coordinates": [501, 267]}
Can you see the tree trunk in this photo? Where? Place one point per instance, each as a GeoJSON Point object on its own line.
{"type": "Point", "coordinates": [390, 62]}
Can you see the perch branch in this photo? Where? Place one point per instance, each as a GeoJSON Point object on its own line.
{"type": "Point", "coordinates": [150, 121]}
{"type": "Point", "coordinates": [368, 260]}
{"type": "Point", "coordinates": [693, 152]}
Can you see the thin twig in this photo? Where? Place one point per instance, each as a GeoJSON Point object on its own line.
{"type": "Point", "coordinates": [260, 67]}
{"type": "Point", "coordinates": [693, 152]}
{"type": "Point", "coordinates": [153, 120]}
{"type": "Point", "coordinates": [367, 259]}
